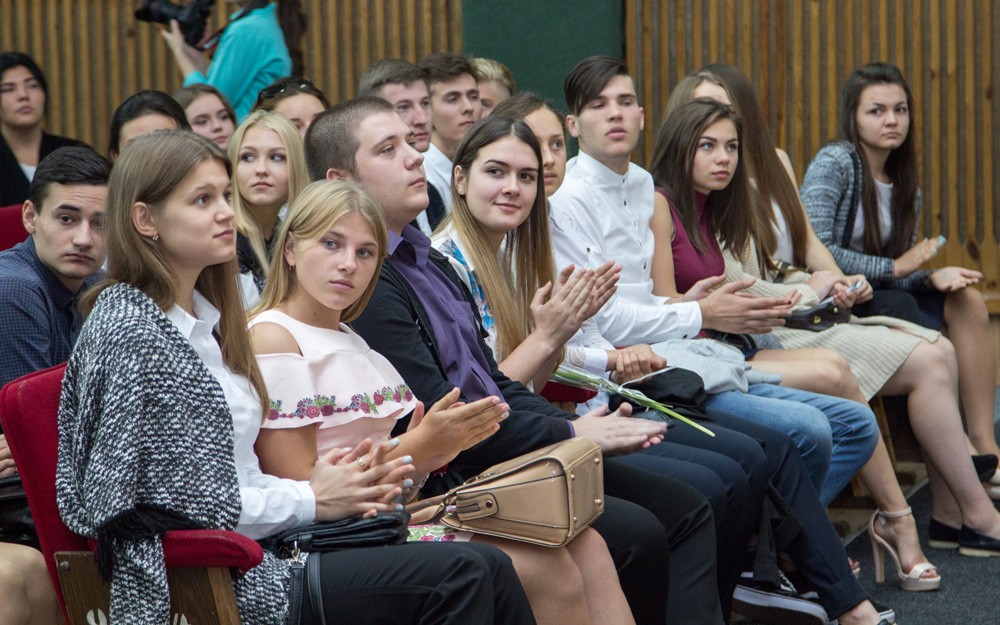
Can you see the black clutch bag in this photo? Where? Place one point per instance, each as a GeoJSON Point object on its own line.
{"type": "Point", "coordinates": [675, 387]}
{"type": "Point", "coordinates": [387, 528]}
{"type": "Point", "coordinates": [820, 317]}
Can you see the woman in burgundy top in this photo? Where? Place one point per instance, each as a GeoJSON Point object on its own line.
{"type": "Point", "coordinates": [702, 195]}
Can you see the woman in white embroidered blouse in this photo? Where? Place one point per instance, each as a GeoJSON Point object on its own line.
{"type": "Point", "coordinates": [331, 247]}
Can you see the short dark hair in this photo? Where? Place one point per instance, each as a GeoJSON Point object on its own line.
{"type": "Point", "coordinates": [10, 60]}
{"type": "Point", "coordinates": [590, 76]}
{"type": "Point", "coordinates": [332, 138]}
{"type": "Point", "coordinates": [74, 164]}
{"type": "Point", "coordinates": [145, 102]}
{"type": "Point", "coordinates": [388, 72]}
{"type": "Point", "coordinates": [520, 105]}
{"type": "Point", "coordinates": [271, 95]}
{"type": "Point", "coordinates": [445, 66]}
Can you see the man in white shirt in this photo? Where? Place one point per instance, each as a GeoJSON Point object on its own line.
{"type": "Point", "coordinates": [455, 107]}
{"type": "Point", "coordinates": [602, 212]}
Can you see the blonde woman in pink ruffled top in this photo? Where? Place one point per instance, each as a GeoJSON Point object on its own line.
{"type": "Point", "coordinates": [328, 390]}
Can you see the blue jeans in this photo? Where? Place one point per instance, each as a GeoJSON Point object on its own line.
{"type": "Point", "coordinates": [835, 436]}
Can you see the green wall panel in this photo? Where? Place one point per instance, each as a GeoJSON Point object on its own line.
{"type": "Point", "coordinates": [541, 40]}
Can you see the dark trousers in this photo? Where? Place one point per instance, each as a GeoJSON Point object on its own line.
{"type": "Point", "coordinates": [731, 471]}
{"type": "Point", "coordinates": [813, 545]}
{"type": "Point", "coordinates": [420, 583]}
{"type": "Point", "coordinates": [925, 308]}
{"type": "Point", "coordinates": [660, 524]}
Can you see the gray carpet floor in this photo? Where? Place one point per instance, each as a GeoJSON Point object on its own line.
{"type": "Point", "coordinates": [970, 587]}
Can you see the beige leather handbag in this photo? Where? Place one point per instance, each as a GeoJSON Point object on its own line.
{"type": "Point", "coordinates": [545, 497]}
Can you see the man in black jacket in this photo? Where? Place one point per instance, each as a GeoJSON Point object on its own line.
{"type": "Point", "coordinates": [420, 318]}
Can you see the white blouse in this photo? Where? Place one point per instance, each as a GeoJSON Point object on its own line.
{"type": "Point", "coordinates": [269, 504]}
{"type": "Point", "coordinates": [884, 191]}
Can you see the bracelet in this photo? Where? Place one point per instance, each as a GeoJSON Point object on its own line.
{"type": "Point", "coordinates": [409, 491]}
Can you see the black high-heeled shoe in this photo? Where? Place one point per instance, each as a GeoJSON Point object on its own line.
{"type": "Point", "coordinates": [972, 543]}
{"type": "Point", "coordinates": [986, 466]}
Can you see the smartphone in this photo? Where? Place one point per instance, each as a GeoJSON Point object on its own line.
{"type": "Point", "coordinates": [851, 289]}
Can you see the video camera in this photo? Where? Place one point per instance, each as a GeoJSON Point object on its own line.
{"type": "Point", "coordinates": [191, 17]}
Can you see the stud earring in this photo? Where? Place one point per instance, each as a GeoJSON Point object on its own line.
{"type": "Point", "coordinates": [156, 236]}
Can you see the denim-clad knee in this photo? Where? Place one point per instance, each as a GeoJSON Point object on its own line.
{"type": "Point", "coordinates": [807, 426]}
{"type": "Point", "coordinates": [844, 431]}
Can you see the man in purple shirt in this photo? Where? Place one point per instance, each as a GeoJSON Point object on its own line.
{"type": "Point", "coordinates": [423, 322]}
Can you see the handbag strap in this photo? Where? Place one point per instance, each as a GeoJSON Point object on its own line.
{"type": "Point", "coordinates": [315, 587]}
{"type": "Point", "coordinates": [296, 596]}
{"type": "Point", "coordinates": [423, 504]}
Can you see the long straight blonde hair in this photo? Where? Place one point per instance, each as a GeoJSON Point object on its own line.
{"type": "Point", "coordinates": [321, 205]}
{"type": "Point", "coordinates": [148, 170]}
{"type": "Point", "coordinates": [526, 262]}
{"type": "Point", "coordinates": [297, 175]}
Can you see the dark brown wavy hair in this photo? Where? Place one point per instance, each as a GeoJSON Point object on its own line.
{"type": "Point", "coordinates": [673, 155]}
{"type": "Point", "coordinates": [901, 166]}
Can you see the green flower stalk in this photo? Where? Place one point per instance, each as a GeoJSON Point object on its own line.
{"type": "Point", "coordinates": [581, 378]}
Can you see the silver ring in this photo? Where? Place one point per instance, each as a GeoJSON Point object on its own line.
{"type": "Point", "coordinates": [361, 463]}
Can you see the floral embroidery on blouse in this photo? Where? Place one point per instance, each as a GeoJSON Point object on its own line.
{"type": "Point", "coordinates": [326, 405]}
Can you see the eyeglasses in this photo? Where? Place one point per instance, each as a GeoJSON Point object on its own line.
{"type": "Point", "coordinates": [293, 85]}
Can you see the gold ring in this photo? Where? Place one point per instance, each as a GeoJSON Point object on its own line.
{"type": "Point", "coordinates": [361, 463]}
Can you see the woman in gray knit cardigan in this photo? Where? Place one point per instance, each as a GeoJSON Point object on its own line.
{"type": "Point", "coordinates": [161, 405]}
{"type": "Point", "coordinates": [862, 199]}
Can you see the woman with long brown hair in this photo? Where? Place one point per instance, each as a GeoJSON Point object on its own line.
{"type": "Point", "coordinates": [900, 366]}
{"type": "Point", "coordinates": [862, 199]}
{"type": "Point", "coordinates": [161, 404]}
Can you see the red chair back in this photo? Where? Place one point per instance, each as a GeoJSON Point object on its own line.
{"type": "Point", "coordinates": [12, 229]}
{"type": "Point", "coordinates": [28, 409]}
{"type": "Point", "coordinates": [557, 392]}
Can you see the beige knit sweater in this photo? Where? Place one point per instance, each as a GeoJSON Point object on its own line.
{"type": "Point", "coordinates": [875, 347]}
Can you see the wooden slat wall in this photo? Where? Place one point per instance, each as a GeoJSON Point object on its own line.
{"type": "Point", "coordinates": [95, 54]}
{"type": "Point", "coordinates": [798, 53]}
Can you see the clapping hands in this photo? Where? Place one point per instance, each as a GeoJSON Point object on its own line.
{"type": "Point", "coordinates": [358, 482]}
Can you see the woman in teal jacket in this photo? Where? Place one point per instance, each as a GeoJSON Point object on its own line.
{"type": "Point", "coordinates": [261, 43]}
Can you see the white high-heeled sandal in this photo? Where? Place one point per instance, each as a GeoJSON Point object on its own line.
{"type": "Point", "coordinates": [913, 580]}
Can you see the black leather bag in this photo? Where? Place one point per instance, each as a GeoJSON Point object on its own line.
{"type": "Point", "coordinates": [675, 387]}
{"type": "Point", "coordinates": [16, 524]}
{"type": "Point", "coordinates": [387, 528]}
{"type": "Point", "coordinates": [824, 315]}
